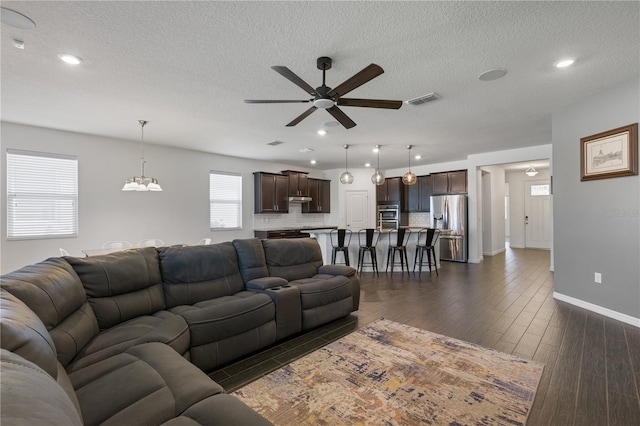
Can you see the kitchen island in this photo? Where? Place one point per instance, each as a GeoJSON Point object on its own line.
{"type": "Point", "coordinates": [324, 240]}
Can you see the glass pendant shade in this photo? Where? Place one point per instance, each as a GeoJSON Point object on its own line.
{"type": "Point", "coordinates": [346, 177]}
{"type": "Point", "coordinates": [378, 176]}
{"type": "Point", "coordinates": [409, 178]}
{"type": "Point", "coordinates": [141, 183]}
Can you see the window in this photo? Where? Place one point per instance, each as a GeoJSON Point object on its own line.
{"type": "Point", "coordinates": [538, 190]}
{"type": "Point", "coordinates": [42, 195]}
{"type": "Point", "coordinates": [225, 196]}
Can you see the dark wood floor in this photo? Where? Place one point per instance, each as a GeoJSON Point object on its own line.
{"type": "Point", "coordinates": [592, 363]}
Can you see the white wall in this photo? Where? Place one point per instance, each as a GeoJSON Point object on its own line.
{"type": "Point", "coordinates": [179, 214]}
{"type": "Point", "coordinates": [493, 191]}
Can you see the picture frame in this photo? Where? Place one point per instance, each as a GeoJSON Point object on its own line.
{"type": "Point", "coordinates": [610, 154]}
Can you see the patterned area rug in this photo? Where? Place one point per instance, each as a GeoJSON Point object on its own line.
{"type": "Point", "coordinates": [393, 374]}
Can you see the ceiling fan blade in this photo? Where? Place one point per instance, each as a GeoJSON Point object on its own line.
{"type": "Point", "coordinates": [368, 73]}
{"type": "Point", "coordinates": [291, 76]}
{"type": "Point", "coordinates": [341, 117]}
{"type": "Point", "coordinates": [267, 101]}
{"type": "Point", "coordinates": [302, 116]}
{"type": "Point", "coordinates": [369, 103]}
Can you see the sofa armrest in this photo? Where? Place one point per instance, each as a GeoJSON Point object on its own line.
{"type": "Point", "coordinates": [288, 310]}
{"type": "Point", "coordinates": [347, 271]}
{"type": "Point", "coordinates": [265, 283]}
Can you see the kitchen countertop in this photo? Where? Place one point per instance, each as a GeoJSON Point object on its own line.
{"type": "Point", "coordinates": [296, 228]}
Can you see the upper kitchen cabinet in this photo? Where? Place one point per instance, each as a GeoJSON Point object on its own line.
{"type": "Point", "coordinates": [449, 182]}
{"type": "Point", "coordinates": [320, 193]}
{"type": "Point", "coordinates": [418, 196]}
{"type": "Point", "coordinates": [298, 183]}
{"type": "Point", "coordinates": [390, 192]}
{"type": "Point", "coordinates": [271, 193]}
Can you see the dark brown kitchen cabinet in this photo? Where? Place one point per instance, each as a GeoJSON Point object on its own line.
{"type": "Point", "coordinates": [320, 193]}
{"type": "Point", "coordinates": [449, 182]}
{"type": "Point", "coordinates": [418, 196]}
{"type": "Point", "coordinates": [271, 193]}
{"type": "Point", "coordinates": [298, 183]}
{"type": "Point", "coordinates": [390, 192]}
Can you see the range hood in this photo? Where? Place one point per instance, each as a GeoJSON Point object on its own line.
{"type": "Point", "coordinates": [299, 199]}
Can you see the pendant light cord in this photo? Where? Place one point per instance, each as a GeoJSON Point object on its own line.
{"type": "Point", "coordinates": [142, 124]}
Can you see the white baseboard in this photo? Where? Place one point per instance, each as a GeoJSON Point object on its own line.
{"type": "Point", "coordinates": [628, 319]}
{"type": "Point", "coordinates": [516, 246]}
{"type": "Point", "coordinates": [493, 253]}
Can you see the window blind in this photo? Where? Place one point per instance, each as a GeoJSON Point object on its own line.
{"type": "Point", "coordinates": [42, 195]}
{"type": "Point", "coordinates": [225, 197]}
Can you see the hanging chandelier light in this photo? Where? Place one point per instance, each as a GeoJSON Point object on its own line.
{"type": "Point", "coordinates": [531, 171]}
{"type": "Point", "coordinates": [141, 183]}
{"type": "Point", "coordinates": [378, 176]}
{"type": "Point", "coordinates": [346, 177]}
{"type": "Point", "coordinates": [409, 178]}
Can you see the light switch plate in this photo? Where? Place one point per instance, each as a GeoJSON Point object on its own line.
{"type": "Point", "coordinates": [597, 277]}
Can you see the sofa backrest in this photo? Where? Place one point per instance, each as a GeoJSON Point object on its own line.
{"type": "Point", "coordinates": [53, 291]}
{"type": "Point", "coordinates": [251, 259]}
{"type": "Point", "coordinates": [192, 274]}
{"type": "Point", "coordinates": [292, 259]}
{"type": "Point", "coordinates": [121, 285]}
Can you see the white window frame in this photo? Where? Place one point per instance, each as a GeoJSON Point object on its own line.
{"type": "Point", "coordinates": [235, 200]}
{"type": "Point", "coordinates": [49, 187]}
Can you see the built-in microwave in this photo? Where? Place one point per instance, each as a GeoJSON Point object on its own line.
{"type": "Point", "coordinates": [388, 216]}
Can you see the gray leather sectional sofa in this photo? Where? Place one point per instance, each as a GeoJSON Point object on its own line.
{"type": "Point", "coordinates": [127, 338]}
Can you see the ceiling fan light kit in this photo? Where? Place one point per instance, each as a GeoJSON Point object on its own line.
{"type": "Point", "coordinates": [329, 99]}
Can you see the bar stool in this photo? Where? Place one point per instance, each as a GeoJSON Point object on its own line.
{"type": "Point", "coordinates": [367, 239]}
{"type": "Point", "coordinates": [426, 242]}
{"type": "Point", "coordinates": [340, 240]}
{"type": "Point", "coordinates": [400, 246]}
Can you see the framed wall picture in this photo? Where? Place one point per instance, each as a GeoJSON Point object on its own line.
{"type": "Point", "coordinates": [610, 154]}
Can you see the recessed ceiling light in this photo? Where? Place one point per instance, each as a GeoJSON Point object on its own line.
{"type": "Point", "coordinates": [367, 164]}
{"type": "Point", "coordinates": [331, 124]}
{"type": "Point", "coordinates": [492, 74]}
{"type": "Point", "coordinates": [313, 161]}
{"type": "Point", "coordinates": [564, 63]}
{"type": "Point", "coordinates": [321, 132]}
{"type": "Point", "coordinates": [16, 20]}
{"type": "Point", "coordinates": [69, 59]}
{"type": "Point", "coordinates": [418, 156]}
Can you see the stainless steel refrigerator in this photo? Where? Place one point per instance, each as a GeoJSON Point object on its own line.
{"type": "Point", "coordinates": [449, 212]}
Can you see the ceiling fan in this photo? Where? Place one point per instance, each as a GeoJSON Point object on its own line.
{"type": "Point", "coordinates": [327, 98]}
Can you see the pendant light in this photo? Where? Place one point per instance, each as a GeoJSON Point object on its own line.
{"type": "Point", "coordinates": [346, 178]}
{"type": "Point", "coordinates": [141, 183]}
{"type": "Point", "coordinates": [409, 178]}
{"type": "Point", "coordinates": [378, 176]}
{"type": "Point", "coordinates": [531, 171]}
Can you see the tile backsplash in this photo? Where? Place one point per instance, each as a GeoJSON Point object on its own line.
{"type": "Point", "coordinates": [295, 218]}
{"type": "Point", "coordinates": [419, 219]}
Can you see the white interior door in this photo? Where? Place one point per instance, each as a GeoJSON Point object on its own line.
{"type": "Point", "coordinates": [357, 210]}
{"type": "Point", "coordinates": [537, 211]}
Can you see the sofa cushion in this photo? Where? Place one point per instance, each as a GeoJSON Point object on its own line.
{"type": "Point", "coordinates": [22, 332]}
{"type": "Point", "coordinates": [251, 259]}
{"type": "Point", "coordinates": [54, 292]}
{"type": "Point", "coordinates": [195, 273]}
{"type": "Point", "coordinates": [292, 259]}
{"type": "Point", "coordinates": [247, 317]}
{"type": "Point", "coordinates": [148, 384]}
{"type": "Point", "coordinates": [121, 285]}
{"type": "Point", "coordinates": [30, 396]}
{"type": "Point", "coordinates": [162, 327]}
{"type": "Point", "coordinates": [221, 409]}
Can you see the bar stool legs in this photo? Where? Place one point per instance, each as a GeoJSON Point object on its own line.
{"type": "Point", "coordinates": [344, 250]}
{"type": "Point", "coordinates": [419, 259]}
{"type": "Point", "coordinates": [372, 255]}
{"type": "Point", "coordinates": [391, 258]}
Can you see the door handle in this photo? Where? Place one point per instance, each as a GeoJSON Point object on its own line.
{"type": "Point", "coordinates": [526, 220]}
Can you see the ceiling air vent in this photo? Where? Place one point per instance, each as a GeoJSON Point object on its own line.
{"type": "Point", "coordinates": [423, 99]}
{"type": "Point", "coordinates": [275, 143]}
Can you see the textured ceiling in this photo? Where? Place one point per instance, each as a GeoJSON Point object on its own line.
{"type": "Point", "coordinates": [186, 67]}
